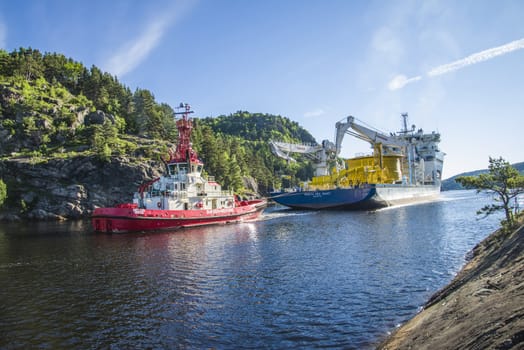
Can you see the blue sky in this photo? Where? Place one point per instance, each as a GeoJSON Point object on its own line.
{"type": "Point", "coordinates": [457, 67]}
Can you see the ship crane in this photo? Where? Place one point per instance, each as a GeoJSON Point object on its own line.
{"type": "Point", "coordinates": [368, 181]}
{"type": "Point", "coordinates": [389, 144]}
{"type": "Point", "coordinates": [383, 145]}
{"type": "Point", "coordinates": [320, 154]}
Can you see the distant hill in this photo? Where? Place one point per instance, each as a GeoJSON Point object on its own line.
{"type": "Point", "coordinates": [259, 127]}
{"type": "Point", "coordinates": [450, 184]}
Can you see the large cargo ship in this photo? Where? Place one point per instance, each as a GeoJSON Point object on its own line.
{"type": "Point", "coordinates": [182, 197]}
{"type": "Point", "coordinates": [404, 167]}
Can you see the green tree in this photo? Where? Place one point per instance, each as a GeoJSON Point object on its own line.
{"type": "Point", "coordinates": [104, 137]}
{"type": "Point", "coordinates": [505, 182]}
{"type": "Point", "coordinates": [65, 71]}
{"type": "Point", "coordinates": [5, 63]}
{"type": "Point", "coordinates": [234, 175]}
{"type": "Point", "coordinates": [144, 115]}
{"type": "Point", "coordinates": [166, 126]}
{"type": "Point", "coordinates": [27, 63]}
{"type": "Point", "coordinates": [3, 192]}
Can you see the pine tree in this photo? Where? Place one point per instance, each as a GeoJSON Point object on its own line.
{"type": "Point", "coordinates": [235, 175]}
{"type": "Point", "coordinates": [505, 182]}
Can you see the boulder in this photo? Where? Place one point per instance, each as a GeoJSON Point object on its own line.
{"type": "Point", "coordinates": [250, 184]}
{"type": "Point", "coordinates": [9, 217]}
{"type": "Point", "coordinates": [99, 118]}
{"type": "Point", "coordinates": [44, 124]}
{"type": "Point", "coordinates": [41, 214]}
{"type": "Point", "coordinates": [80, 118]}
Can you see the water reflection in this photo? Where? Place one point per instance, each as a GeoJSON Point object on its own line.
{"type": "Point", "coordinates": [294, 279]}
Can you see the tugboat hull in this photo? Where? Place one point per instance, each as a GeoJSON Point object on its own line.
{"type": "Point", "coordinates": [129, 218]}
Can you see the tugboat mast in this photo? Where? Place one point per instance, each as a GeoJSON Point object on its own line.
{"type": "Point", "coordinates": [184, 151]}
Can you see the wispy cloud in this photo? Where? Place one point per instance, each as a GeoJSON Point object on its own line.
{"type": "Point", "coordinates": [400, 81]}
{"type": "Point", "coordinates": [385, 42]}
{"type": "Point", "coordinates": [315, 113]}
{"type": "Point", "coordinates": [131, 54]}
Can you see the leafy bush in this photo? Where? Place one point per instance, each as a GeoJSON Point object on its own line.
{"type": "Point", "coordinates": [3, 192]}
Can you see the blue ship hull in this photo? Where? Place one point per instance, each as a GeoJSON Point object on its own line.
{"type": "Point", "coordinates": [364, 198]}
{"type": "Point", "coordinates": [358, 198]}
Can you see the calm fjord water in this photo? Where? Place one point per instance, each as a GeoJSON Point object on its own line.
{"type": "Point", "coordinates": [294, 279]}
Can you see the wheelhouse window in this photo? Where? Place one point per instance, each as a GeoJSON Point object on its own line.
{"type": "Point", "coordinates": [182, 168]}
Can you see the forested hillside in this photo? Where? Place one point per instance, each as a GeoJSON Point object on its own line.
{"type": "Point", "coordinates": [450, 184]}
{"type": "Point", "coordinates": [54, 107]}
{"type": "Point", "coordinates": [237, 144]}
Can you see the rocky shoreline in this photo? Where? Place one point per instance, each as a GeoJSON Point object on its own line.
{"type": "Point", "coordinates": [482, 308]}
{"type": "Point", "coordinates": [71, 188]}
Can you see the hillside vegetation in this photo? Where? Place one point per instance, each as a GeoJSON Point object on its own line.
{"type": "Point", "coordinates": [53, 107]}
{"type": "Point", "coordinates": [450, 183]}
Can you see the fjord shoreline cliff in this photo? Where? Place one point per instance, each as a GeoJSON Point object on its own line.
{"type": "Point", "coordinates": [71, 188]}
{"type": "Point", "coordinates": [482, 308]}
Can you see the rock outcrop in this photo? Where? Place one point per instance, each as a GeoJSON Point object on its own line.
{"type": "Point", "coordinates": [70, 188]}
{"type": "Point", "coordinates": [482, 308]}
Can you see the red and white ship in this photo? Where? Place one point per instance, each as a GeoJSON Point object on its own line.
{"type": "Point", "coordinates": [182, 197]}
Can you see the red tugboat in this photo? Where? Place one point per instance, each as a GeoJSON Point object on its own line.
{"type": "Point", "coordinates": [182, 197]}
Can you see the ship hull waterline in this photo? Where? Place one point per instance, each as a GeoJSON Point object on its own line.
{"type": "Point", "coordinates": [128, 219]}
{"type": "Point", "coordinates": [357, 198]}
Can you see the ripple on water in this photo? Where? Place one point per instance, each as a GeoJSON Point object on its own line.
{"type": "Point", "coordinates": [294, 279]}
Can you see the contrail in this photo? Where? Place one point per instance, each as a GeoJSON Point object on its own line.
{"type": "Point", "coordinates": [400, 81]}
{"type": "Point", "coordinates": [477, 57]}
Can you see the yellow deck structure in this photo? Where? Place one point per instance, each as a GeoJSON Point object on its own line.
{"type": "Point", "coordinates": [362, 170]}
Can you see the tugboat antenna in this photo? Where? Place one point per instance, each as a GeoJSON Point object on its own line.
{"type": "Point", "coordinates": [187, 109]}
